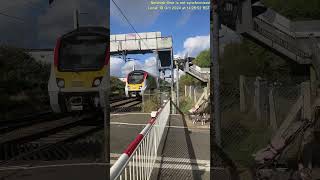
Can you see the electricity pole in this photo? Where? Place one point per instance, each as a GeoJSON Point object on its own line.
{"type": "Point", "coordinates": [76, 18]}
{"type": "Point", "coordinates": [173, 95]}
{"type": "Point", "coordinates": [177, 83]}
{"type": "Point", "coordinates": [215, 104]}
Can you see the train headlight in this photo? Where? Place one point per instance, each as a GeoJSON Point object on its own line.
{"type": "Point", "coordinates": [60, 83]}
{"type": "Point", "coordinates": [140, 87]}
{"type": "Point", "coordinates": [96, 82]}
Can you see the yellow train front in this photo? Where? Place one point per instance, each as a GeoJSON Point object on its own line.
{"type": "Point", "coordinates": [79, 78]}
{"type": "Point", "coordinates": [138, 81]}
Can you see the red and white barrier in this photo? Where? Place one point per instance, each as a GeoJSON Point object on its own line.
{"type": "Point", "coordinates": [139, 157]}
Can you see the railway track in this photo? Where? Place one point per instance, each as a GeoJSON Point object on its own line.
{"type": "Point", "coordinates": [49, 136]}
{"type": "Point", "coordinates": [46, 140]}
{"type": "Point", "coordinates": [126, 105]}
{"type": "Point", "coordinates": [9, 125]}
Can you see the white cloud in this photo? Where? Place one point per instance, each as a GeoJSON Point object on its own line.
{"type": "Point", "coordinates": [115, 66]}
{"type": "Point", "coordinates": [128, 67]}
{"type": "Point", "coordinates": [120, 69]}
{"type": "Point", "coordinates": [150, 65]}
{"type": "Point", "coordinates": [194, 45]}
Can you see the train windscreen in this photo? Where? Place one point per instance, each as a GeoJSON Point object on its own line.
{"type": "Point", "coordinates": [82, 53]}
{"type": "Point", "coordinates": [135, 78]}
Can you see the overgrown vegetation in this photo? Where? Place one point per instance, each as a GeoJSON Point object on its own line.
{"type": "Point", "coordinates": [247, 58]}
{"type": "Point", "coordinates": [185, 104]}
{"type": "Point", "coordinates": [151, 103]}
{"type": "Point", "coordinates": [164, 86]}
{"type": "Point", "coordinates": [296, 9]}
{"type": "Point", "coordinates": [23, 83]}
{"type": "Point", "coordinates": [203, 59]}
{"type": "Point", "coordinates": [242, 133]}
{"type": "Point", "coordinates": [188, 80]}
{"type": "Point", "coordinates": [117, 86]}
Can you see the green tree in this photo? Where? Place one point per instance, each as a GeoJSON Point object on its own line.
{"type": "Point", "coordinates": [19, 71]}
{"type": "Point", "coordinates": [116, 86]}
{"type": "Point", "coordinates": [247, 58]}
{"type": "Point", "coordinates": [188, 80]}
{"type": "Point", "coordinates": [23, 82]}
{"type": "Point", "coordinates": [296, 9]}
{"type": "Point", "coordinates": [203, 59]}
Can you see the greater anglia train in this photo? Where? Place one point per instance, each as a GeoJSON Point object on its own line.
{"type": "Point", "coordinates": [79, 77]}
{"type": "Point", "coordinates": [138, 81]}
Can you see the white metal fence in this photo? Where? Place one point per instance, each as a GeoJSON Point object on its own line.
{"type": "Point", "coordinates": [138, 160]}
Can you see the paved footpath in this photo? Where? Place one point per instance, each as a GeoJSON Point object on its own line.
{"type": "Point", "coordinates": [185, 153]}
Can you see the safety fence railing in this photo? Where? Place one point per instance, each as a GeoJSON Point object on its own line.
{"type": "Point", "coordinates": [139, 158]}
{"type": "Point", "coordinates": [201, 76]}
{"type": "Point", "coordinates": [284, 39]}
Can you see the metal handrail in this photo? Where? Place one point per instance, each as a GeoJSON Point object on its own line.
{"type": "Point", "coordinates": [199, 74]}
{"type": "Point", "coordinates": [280, 41]}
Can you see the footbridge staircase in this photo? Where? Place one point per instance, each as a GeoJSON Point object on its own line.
{"type": "Point", "coordinates": [296, 40]}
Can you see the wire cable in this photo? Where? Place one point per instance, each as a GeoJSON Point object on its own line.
{"type": "Point", "coordinates": [12, 17]}
{"type": "Point", "coordinates": [128, 21]}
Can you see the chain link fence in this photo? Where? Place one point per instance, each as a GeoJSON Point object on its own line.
{"type": "Point", "coordinates": [193, 92]}
{"type": "Point", "coordinates": [246, 120]}
{"type": "Point", "coordinates": [284, 97]}
{"type": "Point", "coordinates": [151, 101]}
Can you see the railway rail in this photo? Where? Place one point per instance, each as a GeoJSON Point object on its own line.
{"type": "Point", "coordinates": [39, 140]}
{"type": "Point", "coordinates": [126, 105]}
{"type": "Point", "coordinates": [45, 135]}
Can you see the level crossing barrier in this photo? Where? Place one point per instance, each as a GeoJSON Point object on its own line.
{"type": "Point", "coordinates": [139, 158]}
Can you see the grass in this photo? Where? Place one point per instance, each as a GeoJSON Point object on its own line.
{"type": "Point", "coordinates": [242, 136]}
{"type": "Point", "coordinates": [151, 104]}
{"type": "Point", "coordinates": [16, 106]}
{"type": "Point", "coordinates": [185, 104]}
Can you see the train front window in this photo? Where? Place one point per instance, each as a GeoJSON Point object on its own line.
{"type": "Point", "coordinates": [135, 78]}
{"type": "Point", "coordinates": [82, 53]}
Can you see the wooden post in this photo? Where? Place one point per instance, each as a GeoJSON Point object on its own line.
{"type": "Point", "coordinates": [195, 95]}
{"type": "Point", "coordinates": [306, 107]}
{"type": "Point", "coordinates": [185, 91]}
{"type": "Point", "coordinates": [313, 79]}
{"type": "Point", "coordinates": [257, 98]}
{"type": "Point", "coordinates": [243, 102]}
{"type": "Point", "coordinates": [272, 111]}
{"type": "Point", "coordinates": [191, 92]}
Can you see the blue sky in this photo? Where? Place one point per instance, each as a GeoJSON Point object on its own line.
{"type": "Point", "coordinates": [189, 30]}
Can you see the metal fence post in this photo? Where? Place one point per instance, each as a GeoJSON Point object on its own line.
{"type": "Point", "coordinates": [177, 83]}
{"type": "Point", "coordinates": [143, 99]}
